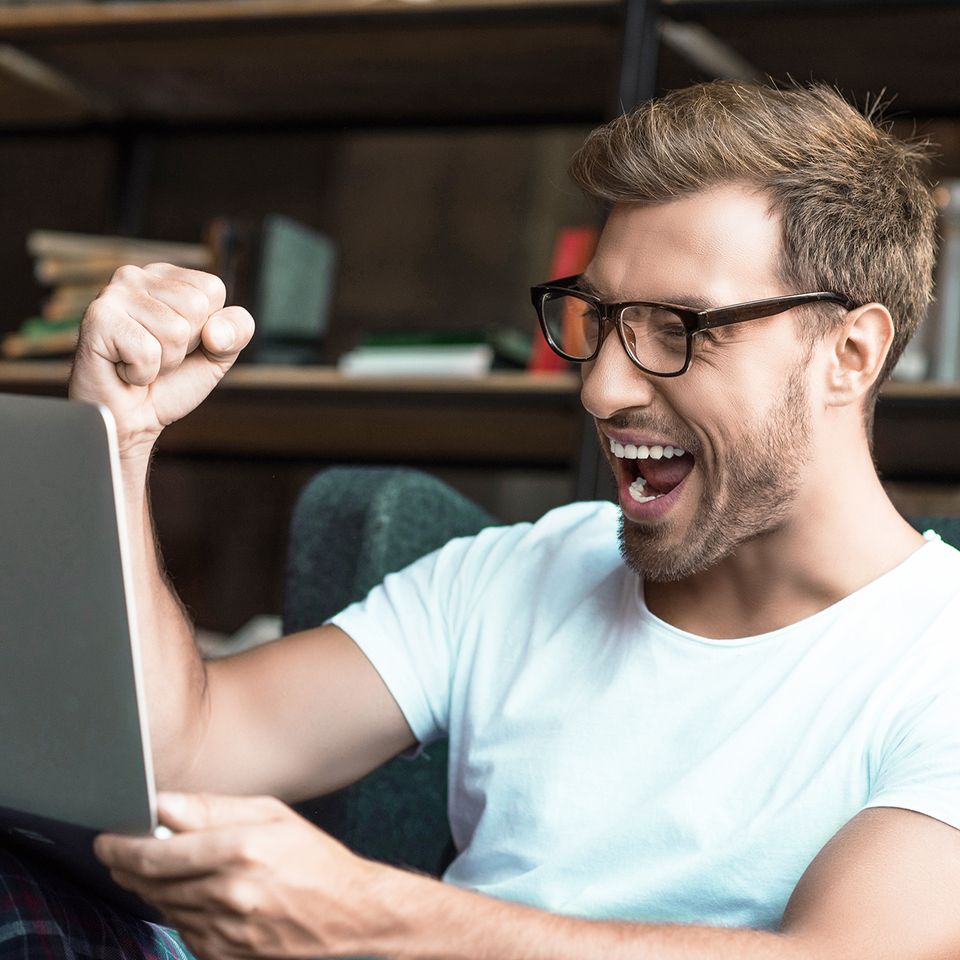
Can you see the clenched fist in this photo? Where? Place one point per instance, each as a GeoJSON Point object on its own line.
{"type": "Point", "coordinates": [153, 345]}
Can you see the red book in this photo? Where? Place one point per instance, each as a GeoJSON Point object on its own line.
{"type": "Point", "coordinates": [572, 252]}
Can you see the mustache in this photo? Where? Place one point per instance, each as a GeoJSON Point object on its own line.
{"type": "Point", "coordinates": [653, 425]}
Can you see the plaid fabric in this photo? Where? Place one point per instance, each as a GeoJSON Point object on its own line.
{"type": "Point", "coordinates": [44, 917]}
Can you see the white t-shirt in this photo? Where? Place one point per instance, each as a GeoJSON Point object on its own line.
{"type": "Point", "coordinates": [605, 764]}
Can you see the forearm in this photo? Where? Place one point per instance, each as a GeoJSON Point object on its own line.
{"type": "Point", "coordinates": [174, 673]}
{"type": "Point", "coordinates": [434, 921]}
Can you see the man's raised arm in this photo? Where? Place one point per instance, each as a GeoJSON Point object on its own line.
{"type": "Point", "coordinates": [152, 346]}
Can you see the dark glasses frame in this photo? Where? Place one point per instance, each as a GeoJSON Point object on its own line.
{"type": "Point", "coordinates": [694, 321]}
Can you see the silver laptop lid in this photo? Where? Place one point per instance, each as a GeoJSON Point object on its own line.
{"type": "Point", "coordinates": [73, 732]}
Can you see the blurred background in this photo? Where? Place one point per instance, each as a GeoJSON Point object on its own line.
{"type": "Point", "coordinates": [380, 182]}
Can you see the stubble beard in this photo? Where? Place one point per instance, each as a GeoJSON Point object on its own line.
{"type": "Point", "coordinates": [754, 497]}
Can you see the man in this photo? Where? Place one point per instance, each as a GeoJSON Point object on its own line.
{"type": "Point", "coordinates": [742, 739]}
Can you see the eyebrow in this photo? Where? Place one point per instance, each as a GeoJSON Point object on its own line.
{"type": "Point", "coordinates": [678, 300]}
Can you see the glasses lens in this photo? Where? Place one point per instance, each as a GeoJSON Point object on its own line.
{"type": "Point", "coordinates": [573, 325]}
{"type": "Point", "coordinates": [656, 337]}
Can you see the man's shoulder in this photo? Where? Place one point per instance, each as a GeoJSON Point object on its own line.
{"type": "Point", "coordinates": [581, 519]}
{"type": "Point", "coordinates": [578, 536]}
{"type": "Point", "coordinates": [938, 569]}
{"type": "Point", "coordinates": [569, 532]}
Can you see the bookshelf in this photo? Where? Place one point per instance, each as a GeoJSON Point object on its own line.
{"type": "Point", "coordinates": [357, 117]}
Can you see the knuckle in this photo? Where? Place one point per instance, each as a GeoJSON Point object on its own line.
{"type": "Point", "coordinates": [150, 349]}
{"type": "Point", "coordinates": [218, 289]}
{"type": "Point", "coordinates": [127, 274]}
{"type": "Point", "coordinates": [195, 301]}
{"type": "Point", "coordinates": [144, 865]}
{"type": "Point", "coordinates": [271, 804]}
{"type": "Point", "coordinates": [94, 314]}
{"type": "Point", "coordinates": [230, 931]}
{"type": "Point", "coordinates": [246, 851]}
{"type": "Point", "coordinates": [240, 896]}
{"type": "Point", "coordinates": [179, 330]}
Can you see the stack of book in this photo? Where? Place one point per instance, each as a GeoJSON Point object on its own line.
{"type": "Point", "coordinates": [76, 267]}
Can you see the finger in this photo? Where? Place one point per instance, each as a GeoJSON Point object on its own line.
{"type": "Point", "coordinates": [137, 354]}
{"type": "Point", "coordinates": [175, 334]}
{"type": "Point", "coordinates": [210, 894]}
{"type": "Point", "coordinates": [210, 285]}
{"type": "Point", "coordinates": [168, 298]}
{"type": "Point", "coordinates": [205, 811]}
{"type": "Point", "coordinates": [226, 333]}
{"type": "Point", "coordinates": [145, 285]}
{"type": "Point", "coordinates": [121, 326]}
{"type": "Point", "coordinates": [178, 857]}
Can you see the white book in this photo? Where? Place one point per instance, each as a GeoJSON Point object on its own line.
{"type": "Point", "coordinates": [473, 360]}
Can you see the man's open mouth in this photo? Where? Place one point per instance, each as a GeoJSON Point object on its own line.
{"type": "Point", "coordinates": [655, 470]}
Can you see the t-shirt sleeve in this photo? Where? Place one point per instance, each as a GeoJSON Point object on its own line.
{"type": "Point", "coordinates": [411, 627]}
{"type": "Point", "coordinates": [920, 769]}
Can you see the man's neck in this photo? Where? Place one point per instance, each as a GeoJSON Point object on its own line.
{"type": "Point", "coordinates": [836, 542]}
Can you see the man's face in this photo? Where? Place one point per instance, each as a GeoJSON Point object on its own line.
{"type": "Point", "coordinates": [741, 413]}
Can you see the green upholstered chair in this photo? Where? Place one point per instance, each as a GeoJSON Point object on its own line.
{"type": "Point", "coordinates": [351, 527]}
{"type": "Point", "coordinates": [947, 527]}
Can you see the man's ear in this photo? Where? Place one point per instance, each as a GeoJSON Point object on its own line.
{"type": "Point", "coordinates": [860, 348]}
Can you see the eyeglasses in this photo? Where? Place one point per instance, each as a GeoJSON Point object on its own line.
{"type": "Point", "coordinates": [658, 337]}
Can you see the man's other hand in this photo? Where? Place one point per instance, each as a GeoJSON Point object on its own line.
{"type": "Point", "coordinates": [246, 876]}
{"type": "Point", "coordinates": [152, 345]}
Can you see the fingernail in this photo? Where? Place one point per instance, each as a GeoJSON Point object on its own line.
{"type": "Point", "coordinates": [222, 334]}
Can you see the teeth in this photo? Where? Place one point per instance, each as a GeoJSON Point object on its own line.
{"type": "Point", "coordinates": [630, 451]}
{"type": "Point", "coordinates": [636, 492]}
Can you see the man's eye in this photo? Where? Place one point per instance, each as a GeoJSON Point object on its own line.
{"type": "Point", "coordinates": [667, 326]}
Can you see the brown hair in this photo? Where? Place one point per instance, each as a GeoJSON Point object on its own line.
{"type": "Point", "coordinates": [857, 212]}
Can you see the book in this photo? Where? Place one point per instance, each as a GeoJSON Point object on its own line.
{"type": "Point", "coordinates": [70, 301]}
{"type": "Point", "coordinates": [416, 354]}
{"type": "Point", "coordinates": [283, 272]}
{"type": "Point", "coordinates": [450, 361]}
{"type": "Point", "coordinates": [41, 338]}
{"type": "Point", "coordinates": [52, 271]}
{"type": "Point", "coordinates": [572, 251]}
{"type": "Point", "coordinates": [89, 249]}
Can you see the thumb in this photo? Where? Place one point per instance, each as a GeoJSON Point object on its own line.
{"type": "Point", "coordinates": [226, 333]}
{"type": "Point", "coordinates": [186, 812]}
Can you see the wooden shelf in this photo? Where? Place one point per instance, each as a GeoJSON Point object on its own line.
{"type": "Point", "coordinates": [904, 50]}
{"type": "Point", "coordinates": [29, 20]}
{"type": "Point", "coordinates": [53, 374]}
{"type": "Point", "coordinates": [315, 413]}
{"type": "Point", "coordinates": [378, 61]}
{"type": "Point", "coordinates": [323, 62]}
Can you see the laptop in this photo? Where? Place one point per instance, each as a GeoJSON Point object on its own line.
{"type": "Point", "coordinates": [74, 744]}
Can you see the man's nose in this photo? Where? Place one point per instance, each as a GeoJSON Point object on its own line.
{"type": "Point", "coordinates": [613, 382]}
